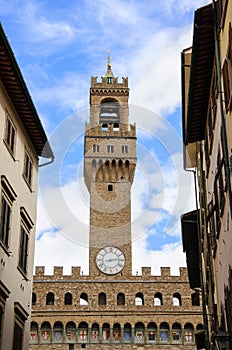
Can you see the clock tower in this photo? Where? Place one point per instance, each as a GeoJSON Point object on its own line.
{"type": "Point", "coordinates": [109, 166]}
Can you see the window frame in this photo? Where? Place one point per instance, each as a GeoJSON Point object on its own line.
{"type": "Point", "coordinates": [110, 148]}
{"type": "Point", "coordinates": [28, 169]}
{"type": "Point", "coordinates": [124, 149]}
{"type": "Point", "coordinates": [19, 321]}
{"type": "Point", "coordinates": [96, 148]}
{"type": "Point", "coordinates": [24, 240]}
{"type": "Point", "coordinates": [9, 196]}
{"type": "Point", "coordinates": [23, 248]}
{"type": "Point", "coordinates": [50, 298]}
{"type": "Point", "coordinates": [5, 224]}
{"type": "Point", "coordinates": [9, 138]}
{"type": "Point", "coordinates": [68, 298]}
{"type": "Point", "coordinates": [4, 294]}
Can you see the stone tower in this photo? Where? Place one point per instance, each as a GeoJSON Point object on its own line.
{"type": "Point", "coordinates": [110, 160]}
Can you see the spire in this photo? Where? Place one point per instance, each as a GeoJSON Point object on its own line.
{"type": "Point", "coordinates": [109, 74]}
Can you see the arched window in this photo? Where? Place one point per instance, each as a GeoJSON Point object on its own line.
{"type": "Point", "coordinates": [94, 163]}
{"type": "Point", "coordinates": [176, 299]}
{"type": "Point", "coordinates": [45, 332]}
{"type": "Point", "coordinates": [199, 326]}
{"type": "Point", "coordinates": [70, 332]}
{"type": "Point", "coordinates": [58, 325]}
{"type": "Point", "coordinates": [83, 299]}
{"type": "Point", "coordinates": [68, 298]}
{"type": "Point", "coordinates": [121, 299]}
{"type": "Point", "coordinates": [195, 299]}
{"type": "Point", "coordinates": [95, 333]}
{"type": "Point", "coordinates": [176, 332]}
{"type": "Point", "coordinates": [116, 332]}
{"type": "Point", "coordinates": [158, 299]}
{"type": "Point", "coordinates": [139, 299]}
{"type": "Point", "coordinates": [188, 333]}
{"type": "Point", "coordinates": [105, 332]}
{"type": "Point", "coordinates": [58, 332]}
{"type": "Point", "coordinates": [102, 299]}
{"type": "Point", "coordinates": [83, 332]}
{"type": "Point", "coordinates": [109, 112]}
{"type": "Point", "coordinates": [164, 332]}
{"type": "Point", "coordinates": [151, 331]}
{"type": "Point", "coordinates": [50, 298]}
{"type": "Point", "coordinates": [34, 332]}
{"type": "Point", "coordinates": [139, 332]}
{"type": "Point", "coordinates": [127, 332]}
{"type": "Point", "coordinates": [33, 301]}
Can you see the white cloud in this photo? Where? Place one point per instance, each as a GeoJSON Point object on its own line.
{"type": "Point", "coordinates": [156, 70]}
{"type": "Point", "coordinates": [67, 92]}
{"type": "Point", "coordinates": [54, 249]}
{"type": "Point", "coordinates": [168, 256]}
{"type": "Point", "coordinates": [37, 27]}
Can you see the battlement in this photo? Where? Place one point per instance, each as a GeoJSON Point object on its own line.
{"type": "Point", "coordinates": [104, 82]}
{"type": "Point", "coordinates": [109, 130]}
{"type": "Point", "coordinates": [146, 275]}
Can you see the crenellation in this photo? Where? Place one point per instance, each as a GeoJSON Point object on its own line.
{"type": "Point", "coordinates": [146, 271]}
{"type": "Point", "coordinates": [39, 271]}
{"type": "Point", "coordinates": [165, 272]}
{"type": "Point", "coordinates": [146, 275]}
{"type": "Point", "coordinates": [114, 82]}
{"type": "Point", "coordinates": [183, 273]}
{"type": "Point", "coordinates": [76, 271]}
{"type": "Point", "coordinates": [58, 271]}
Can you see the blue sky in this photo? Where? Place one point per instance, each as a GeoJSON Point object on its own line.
{"type": "Point", "coordinates": [59, 45]}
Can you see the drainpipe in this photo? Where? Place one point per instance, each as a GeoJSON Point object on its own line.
{"type": "Point", "coordinates": [223, 122]}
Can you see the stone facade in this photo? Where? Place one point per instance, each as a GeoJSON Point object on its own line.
{"type": "Point", "coordinates": [151, 305]}
{"type": "Point", "coordinates": [110, 308]}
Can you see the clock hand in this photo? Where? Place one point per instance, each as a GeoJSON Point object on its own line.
{"type": "Point", "coordinates": [111, 260]}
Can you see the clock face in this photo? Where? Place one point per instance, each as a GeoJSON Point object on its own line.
{"type": "Point", "coordinates": [110, 260]}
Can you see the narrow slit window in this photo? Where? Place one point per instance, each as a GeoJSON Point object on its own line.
{"type": "Point", "coordinates": [110, 187]}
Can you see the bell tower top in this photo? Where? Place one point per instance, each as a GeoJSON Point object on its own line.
{"type": "Point", "coordinates": [109, 100]}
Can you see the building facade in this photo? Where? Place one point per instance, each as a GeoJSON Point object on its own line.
{"type": "Point", "coordinates": [207, 137]}
{"type": "Point", "coordinates": [110, 308]}
{"type": "Point", "coordinates": [23, 140]}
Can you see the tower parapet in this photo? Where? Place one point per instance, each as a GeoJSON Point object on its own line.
{"type": "Point", "coordinates": [146, 275]}
{"type": "Point", "coordinates": [104, 82]}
